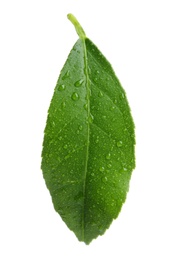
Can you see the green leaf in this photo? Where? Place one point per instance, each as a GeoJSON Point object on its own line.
{"type": "Point", "coordinates": [88, 147]}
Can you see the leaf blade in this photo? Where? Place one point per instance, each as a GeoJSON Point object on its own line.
{"type": "Point", "coordinates": [88, 148]}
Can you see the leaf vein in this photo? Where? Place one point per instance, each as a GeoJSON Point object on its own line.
{"type": "Point", "coordinates": [69, 154]}
{"type": "Point", "coordinates": [95, 124]}
{"type": "Point", "coordinates": [88, 137]}
{"type": "Point", "coordinates": [71, 120]}
{"type": "Point", "coordinates": [106, 96]}
{"type": "Point", "coordinates": [105, 71]}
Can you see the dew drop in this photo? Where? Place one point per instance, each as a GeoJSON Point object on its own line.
{"type": "Point", "coordinates": [104, 179]}
{"type": "Point", "coordinates": [95, 79]}
{"type": "Point", "coordinates": [119, 144]}
{"type": "Point", "coordinates": [109, 165]}
{"type": "Point", "coordinates": [63, 104]}
{"type": "Point", "coordinates": [61, 87]}
{"type": "Point", "coordinates": [85, 106]}
{"type": "Point", "coordinates": [115, 101]}
{"type": "Point", "coordinates": [132, 135]}
{"type": "Point", "coordinates": [101, 230]}
{"type": "Point", "coordinates": [91, 118]}
{"type": "Point", "coordinates": [51, 142]}
{"type": "Point", "coordinates": [66, 75]}
{"type": "Point", "coordinates": [108, 156]}
{"type": "Point", "coordinates": [80, 127]}
{"type": "Point", "coordinates": [100, 94]}
{"type": "Point", "coordinates": [122, 96]}
{"type": "Point", "coordinates": [132, 161]}
{"type": "Point", "coordinates": [112, 108]}
{"type": "Point", "coordinates": [79, 83]}
{"type": "Point", "coordinates": [65, 146]}
{"type": "Point", "coordinates": [97, 141]}
{"type": "Point", "coordinates": [75, 96]}
{"type": "Point", "coordinates": [102, 169]}
{"type": "Point", "coordinates": [66, 157]}
{"type": "Point", "coordinates": [89, 70]}
{"type": "Point", "coordinates": [98, 191]}
{"type": "Point", "coordinates": [60, 138]}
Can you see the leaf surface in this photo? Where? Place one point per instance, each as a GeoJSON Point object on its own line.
{"type": "Point", "coordinates": [88, 147]}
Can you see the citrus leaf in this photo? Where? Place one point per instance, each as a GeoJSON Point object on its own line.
{"type": "Point", "coordinates": [88, 147]}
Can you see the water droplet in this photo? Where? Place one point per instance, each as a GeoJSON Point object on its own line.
{"type": "Point", "coordinates": [89, 70]}
{"type": "Point", "coordinates": [104, 179]}
{"type": "Point", "coordinates": [51, 142]}
{"type": "Point", "coordinates": [112, 108]}
{"type": "Point", "coordinates": [102, 169]}
{"type": "Point", "coordinates": [122, 96]}
{"type": "Point", "coordinates": [115, 101]}
{"type": "Point", "coordinates": [85, 106]}
{"type": "Point", "coordinates": [65, 146]}
{"type": "Point", "coordinates": [132, 161]}
{"type": "Point", "coordinates": [96, 141]}
{"type": "Point", "coordinates": [108, 156]}
{"type": "Point", "coordinates": [92, 174]}
{"type": "Point", "coordinates": [77, 131]}
{"type": "Point", "coordinates": [79, 83]}
{"type": "Point", "coordinates": [132, 135]}
{"type": "Point", "coordinates": [100, 94]}
{"type": "Point", "coordinates": [109, 165]}
{"type": "Point", "coordinates": [119, 144]}
{"type": "Point", "coordinates": [63, 104]}
{"type": "Point", "coordinates": [60, 138]}
{"type": "Point", "coordinates": [80, 127]}
{"type": "Point", "coordinates": [99, 192]}
{"type": "Point", "coordinates": [75, 96]}
{"type": "Point", "coordinates": [91, 118]}
{"type": "Point", "coordinates": [61, 87]}
{"type": "Point", "coordinates": [66, 75]}
{"type": "Point", "coordinates": [66, 157]}
{"type": "Point", "coordinates": [97, 72]}
{"type": "Point", "coordinates": [125, 169]}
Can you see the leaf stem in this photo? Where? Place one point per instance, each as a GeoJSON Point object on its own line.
{"type": "Point", "coordinates": [77, 25]}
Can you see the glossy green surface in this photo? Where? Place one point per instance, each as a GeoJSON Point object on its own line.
{"type": "Point", "coordinates": [88, 148]}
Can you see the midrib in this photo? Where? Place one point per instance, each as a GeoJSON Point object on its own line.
{"type": "Point", "coordinates": [88, 136]}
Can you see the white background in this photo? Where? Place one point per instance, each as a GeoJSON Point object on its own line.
{"type": "Point", "coordinates": [139, 39]}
